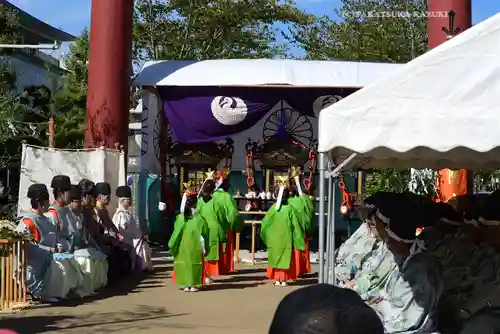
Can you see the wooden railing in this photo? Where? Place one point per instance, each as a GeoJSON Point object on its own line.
{"type": "Point", "coordinates": [13, 291]}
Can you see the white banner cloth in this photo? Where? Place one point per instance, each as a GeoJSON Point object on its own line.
{"type": "Point", "coordinates": [41, 164]}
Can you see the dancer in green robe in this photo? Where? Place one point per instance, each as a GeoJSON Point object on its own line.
{"type": "Point", "coordinates": [284, 237]}
{"type": "Point", "coordinates": [229, 211]}
{"type": "Point", "coordinates": [217, 229]}
{"type": "Point", "coordinates": [301, 207]}
{"type": "Point", "coordinates": [187, 245]}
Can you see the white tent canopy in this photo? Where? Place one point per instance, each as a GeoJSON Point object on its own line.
{"type": "Point", "coordinates": [256, 72]}
{"type": "Point", "coordinates": [440, 110]}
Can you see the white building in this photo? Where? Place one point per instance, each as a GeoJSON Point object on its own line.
{"type": "Point", "coordinates": [32, 66]}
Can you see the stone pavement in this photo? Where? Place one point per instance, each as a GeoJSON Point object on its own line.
{"type": "Point", "coordinates": [243, 303]}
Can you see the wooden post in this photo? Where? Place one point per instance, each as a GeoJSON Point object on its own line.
{"type": "Point", "coordinates": [456, 17]}
{"type": "Point", "coordinates": [253, 241]}
{"type": "Point", "coordinates": [52, 133]}
{"type": "Point", "coordinates": [268, 180]}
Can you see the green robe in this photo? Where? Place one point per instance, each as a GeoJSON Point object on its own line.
{"type": "Point", "coordinates": [302, 212]}
{"type": "Point", "coordinates": [227, 205]}
{"type": "Point", "coordinates": [216, 231]}
{"type": "Point", "coordinates": [281, 232]}
{"type": "Point", "coordinates": [186, 247]}
{"type": "Point", "coordinates": [309, 210]}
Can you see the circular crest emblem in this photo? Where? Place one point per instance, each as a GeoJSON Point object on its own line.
{"type": "Point", "coordinates": [229, 110]}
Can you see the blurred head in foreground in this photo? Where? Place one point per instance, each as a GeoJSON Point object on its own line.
{"type": "Point", "coordinates": [324, 309]}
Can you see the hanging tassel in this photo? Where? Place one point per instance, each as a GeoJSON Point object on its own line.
{"type": "Point", "coordinates": [280, 197]}
{"type": "Point", "coordinates": [183, 202]}
{"type": "Point", "coordinates": [297, 184]}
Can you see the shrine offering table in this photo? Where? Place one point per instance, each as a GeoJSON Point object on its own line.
{"type": "Point", "coordinates": [254, 224]}
{"type": "Point", "coordinates": [13, 291]}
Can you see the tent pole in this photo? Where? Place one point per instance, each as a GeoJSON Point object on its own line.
{"type": "Point", "coordinates": [328, 231]}
{"type": "Point", "coordinates": [335, 172]}
{"type": "Point", "coordinates": [331, 222]}
{"type": "Point", "coordinates": [321, 220]}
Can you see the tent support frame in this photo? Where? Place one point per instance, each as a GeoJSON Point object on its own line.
{"type": "Point", "coordinates": [327, 274]}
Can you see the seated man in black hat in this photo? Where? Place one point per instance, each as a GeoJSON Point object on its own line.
{"type": "Point", "coordinates": [130, 231]}
{"type": "Point", "coordinates": [369, 274]}
{"type": "Point", "coordinates": [103, 196]}
{"type": "Point", "coordinates": [119, 258]}
{"type": "Point", "coordinates": [92, 261]}
{"type": "Point", "coordinates": [480, 312]}
{"type": "Point", "coordinates": [53, 280]}
{"type": "Point", "coordinates": [44, 235]}
{"type": "Point", "coordinates": [408, 301]}
{"type": "Point", "coordinates": [57, 213]}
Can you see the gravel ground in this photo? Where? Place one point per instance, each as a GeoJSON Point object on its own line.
{"type": "Point", "coordinates": [242, 303]}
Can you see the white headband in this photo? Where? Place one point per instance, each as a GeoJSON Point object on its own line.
{"type": "Point", "coordinates": [397, 238]}
{"type": "Point", "coordinates": [450, 222]}
{"type": "Point", "coordinates": [383, 218]}
{"type": "Point", "coordinates": [488, 222]}
{"type": "Point", "coordinates": [472, 222]}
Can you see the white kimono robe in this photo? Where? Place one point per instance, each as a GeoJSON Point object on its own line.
{"type": "Point", "coordinates": [410, 296]}
{"type": "Point", "coordinates": [92, 261]}
{"type": "Point", "coordinates": [131, 234]}
{"type": "Point", "coordinates": [353, 253]}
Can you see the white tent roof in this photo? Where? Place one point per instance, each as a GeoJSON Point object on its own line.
{"type": "Point", "coordinates": [254, 72]}
{"type": "Point", "coordinates": [440, 110]}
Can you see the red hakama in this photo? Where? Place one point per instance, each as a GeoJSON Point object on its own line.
{"type": "Point", "coordinates": [284, 275]}
{"type": "Point", "coordinates": [303, 262]}
{"type": "Point", "coordinates": [306, 255]}
{"type": "Point", "coordinates": [227, 258]}
{"type": "Point", "coordinates": [213, 268]}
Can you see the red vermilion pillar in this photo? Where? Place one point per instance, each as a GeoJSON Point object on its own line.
{"type": "Point", "coordinates": [448, 18]}
{"type": "Point", "coordinates": [109, 68]}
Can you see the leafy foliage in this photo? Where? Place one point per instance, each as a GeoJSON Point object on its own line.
{"type": "Point", "coordinates": [70, 100]}
{"type": "Point", "coordinates": [359, 33]}
{"type": "Point", "coordinates": [363, 31]}
{"type": "Point", "coordinates": [208, 29]}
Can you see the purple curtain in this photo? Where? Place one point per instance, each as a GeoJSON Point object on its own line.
{"type": "Point", "coordinates": [204, 114]}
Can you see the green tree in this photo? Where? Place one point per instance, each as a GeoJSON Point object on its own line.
{"type": "Point", "coordinates": [361, 31]}
{"type": "Point", "coordinates": [10, 103]}
{"type": "Point", "coordinates": [220, 29]}
{"type": "Point", "coordinates": [69, 102]}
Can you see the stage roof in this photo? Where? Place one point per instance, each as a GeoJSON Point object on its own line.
{"type": "Point", "coordinates": [262, 72]}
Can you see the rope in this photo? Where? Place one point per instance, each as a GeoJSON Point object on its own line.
{"type": "Point", "coordinates": [308, 181]}
{"type": "Point", "coordinates": [87, 149]}
{"type": "Point", "coordinates": [346, 199]}
{"type": "Point", "coordinates": [250, 178]}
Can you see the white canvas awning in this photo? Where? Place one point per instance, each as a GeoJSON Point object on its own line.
{"type": "Point", "coordinates": [257, 72]}
{"type": "Point", "coordinates": [440, 110]}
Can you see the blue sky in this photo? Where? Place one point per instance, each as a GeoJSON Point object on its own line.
{"type": "Point", "coordinates": [73, 15]}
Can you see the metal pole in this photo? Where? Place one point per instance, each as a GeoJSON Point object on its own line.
{"type": "Point", "coordinates": [321, 220]}
{"type": "Point", "coordinates": [328, 231]}
{"type": "Point", "coordinates": [331, 222]}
